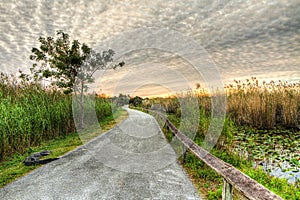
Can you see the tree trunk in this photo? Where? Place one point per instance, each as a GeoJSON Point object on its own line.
{"type": "Point", "coordinates": [81, 125]}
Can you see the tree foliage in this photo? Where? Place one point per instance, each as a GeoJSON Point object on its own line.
{"type": "Point", "coordinates": [67, 63]}
{"type": "Point", "coordinates": [136, 101]}
{"type": "Point", "coordinates": [121, 100]}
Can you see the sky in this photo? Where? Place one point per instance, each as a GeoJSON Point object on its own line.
{"type": "Point", "coordinates": [168, 46]}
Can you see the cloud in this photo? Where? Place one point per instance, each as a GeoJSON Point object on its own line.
{"type": "Point", "coordinates": [243, 38]}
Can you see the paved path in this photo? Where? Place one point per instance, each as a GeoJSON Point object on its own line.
{"type": "Point", "coordinates": [131, 161]}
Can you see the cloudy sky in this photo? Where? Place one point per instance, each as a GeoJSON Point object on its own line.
{"type": "Point", "coordinates": [168, 46]}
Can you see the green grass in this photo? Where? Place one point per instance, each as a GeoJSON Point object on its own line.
{"type": "Point", "coordinates": [209, 183]}
{"type": "Point", "coordinates": [277, 185]}
{"type": "Point", "coordinates": [31, 115]}
{"type": "Point", "coordinates": [13, 167]}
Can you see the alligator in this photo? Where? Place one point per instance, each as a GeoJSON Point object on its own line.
{"type": "Point", "coordinates": [34, 159]}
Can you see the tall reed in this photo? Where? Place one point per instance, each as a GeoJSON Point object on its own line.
{"type": "Point", "coordinates": [30, 114]}
{"type": "Point", "coordinates": [264, 105]}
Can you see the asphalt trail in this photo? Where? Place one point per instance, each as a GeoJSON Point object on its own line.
{"type": "Point", "coordinates": [131, 161]}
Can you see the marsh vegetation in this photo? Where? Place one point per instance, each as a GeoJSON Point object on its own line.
{"type": "Point", "coordinates": [31, 114]}
{"type": "Point", "coordinates": [260, 136]}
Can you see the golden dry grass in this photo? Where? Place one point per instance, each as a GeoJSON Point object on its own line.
{"type": "Point", "coordinates": [264, 105]}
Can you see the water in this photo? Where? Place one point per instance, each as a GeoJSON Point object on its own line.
{"type": "Point", "coordinates": [280, 169]}
{"type": "Point", "coordinates": [277, 153]}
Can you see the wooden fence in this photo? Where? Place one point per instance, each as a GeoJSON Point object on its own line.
{"type": "Point", "coordinates": [232, 177]}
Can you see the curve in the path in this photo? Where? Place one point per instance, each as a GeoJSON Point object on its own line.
{"type": "Point", "coordinates": [131, 161]}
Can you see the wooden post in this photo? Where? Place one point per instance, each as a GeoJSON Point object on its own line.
{"type": "Point", "coordinates": [227, 190]}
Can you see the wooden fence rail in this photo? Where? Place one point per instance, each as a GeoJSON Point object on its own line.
{"type": "Point", "coordinates": [232, 176]}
